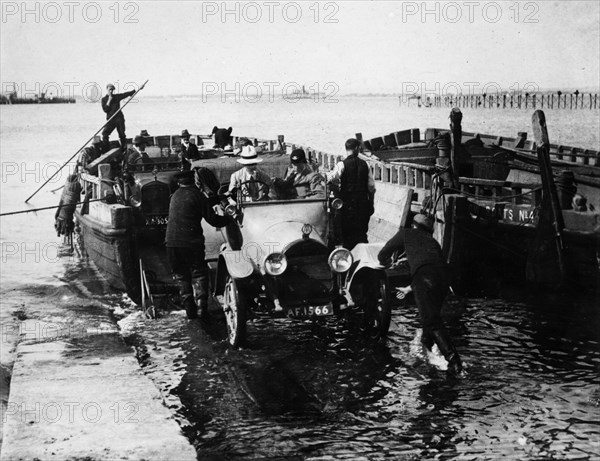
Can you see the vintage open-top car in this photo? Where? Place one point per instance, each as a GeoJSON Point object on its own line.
{"type": "Point", "coordinates": [281, 258]}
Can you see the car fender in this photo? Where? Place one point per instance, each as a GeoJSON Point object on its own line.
{"type": "Point", "coordinates": [235, 264]}
{"type": "Point", "coordinates": [365, 255]}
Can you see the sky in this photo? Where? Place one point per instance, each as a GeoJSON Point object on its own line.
{"type": "Point", "coordinates": [191, 47]}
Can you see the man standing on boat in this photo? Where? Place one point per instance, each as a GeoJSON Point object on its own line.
{"type": "Point", "coordinates": [185, 243]}
{"type": "Point", "coordinates": [189, 151]}
{"type": "Point", "coordinates": [111, 104]}
{"type": "Point", "coordinates": [357, 190]}
{"type": "Point", "coordinates": [429, 282]}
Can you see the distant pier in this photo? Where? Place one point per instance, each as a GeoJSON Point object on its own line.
{"type": "Point", "coordinates": [13, 98]}
{"type": "Point", "coordinates": [547, 100]}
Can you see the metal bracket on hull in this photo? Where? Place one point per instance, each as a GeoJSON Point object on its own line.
{"type": "Point", "coordinates": [147, 299]}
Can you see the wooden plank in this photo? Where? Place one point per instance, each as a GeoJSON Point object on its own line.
{"type": "Point", "coordinates": [497, 183]}
{"type": "Point", "coordinates": [391, 211]}
{"type": "Point", "coordinates": [104, 158]}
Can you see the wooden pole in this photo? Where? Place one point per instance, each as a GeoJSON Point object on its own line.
{"type": "Point", "coordinates": [85, 144]}
{"type": "Point", "coordinates": [34, 210]}
{"type": "Point", "coordinates": [540, 132]}
{"type": "Point", "coordinates": [456, 128]}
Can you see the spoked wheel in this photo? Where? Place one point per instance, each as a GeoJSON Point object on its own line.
{"type": "Point", "coordinates": [378, 310]}
{"type": "Point", "coordinates": [235, 313]}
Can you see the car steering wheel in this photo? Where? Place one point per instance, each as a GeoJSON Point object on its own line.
{"type": "Point", "coordinates": [268, 188]}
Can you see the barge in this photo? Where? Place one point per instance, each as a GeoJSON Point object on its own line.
{"type": "Point", "coordinates": [121, 223]}
{"type": "Point", "coordinates": [502, 217]}
{"type": "Point", "coordinates": [502, 214]}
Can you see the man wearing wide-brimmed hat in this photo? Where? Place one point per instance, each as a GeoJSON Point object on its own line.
{"type": "Point", "coordinates": [111, 104]}
{"type": "Point", "coordinates": [189, 151]}
{"type": "Point", "coordinates": [185, 243]}
{"type": "Point", "coordinates": [429, 282]}
{"type": "Point", "coordinates": [258, 187]}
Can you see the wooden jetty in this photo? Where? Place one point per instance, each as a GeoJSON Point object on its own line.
{"type": "Point", "coordinates": [539, 100]}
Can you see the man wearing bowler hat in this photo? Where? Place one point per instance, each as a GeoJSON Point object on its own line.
{"type": "Point", "coordinates": [185, 243]}
{"type": "Point", "coordinates": [429, 282]}
{"type": "Point", "coordinates": [111, 103]}
{"type": "Point", "coordinates": [138, 154]}
{"type": "Point", "coordinates": [258, 187]}
{"type": "Point", "coordinates": [357, 190]}
{"type": "Point", "coordinates": [189, 151]}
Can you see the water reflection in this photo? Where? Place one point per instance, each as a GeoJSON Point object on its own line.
{"type": "Point", "coordinates": [321, 391]}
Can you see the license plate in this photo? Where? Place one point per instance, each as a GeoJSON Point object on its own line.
{"type": "Point", "coordinates": [157, 220]}
{"type": "Point", "coordinates": [307, 311]}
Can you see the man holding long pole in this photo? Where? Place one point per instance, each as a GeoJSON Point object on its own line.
{"type": "Point", "coordinates": [108, 121]}
{"type": "Point", "coordinates": [111, 104]}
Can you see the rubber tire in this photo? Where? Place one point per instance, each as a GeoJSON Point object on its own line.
{"type": "Point", "coordinates": [384, 308]}
{"type": "Point", "coordinates": [236, 321]}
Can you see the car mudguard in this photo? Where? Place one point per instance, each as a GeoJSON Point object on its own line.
{"type": "Point", "coordinates": [234, 263]}
{"type": "Point", "coordinates": [365, 254]}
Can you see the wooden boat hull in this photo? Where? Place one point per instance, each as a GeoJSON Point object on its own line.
{"type": "Point", "coordinates": [487, 219]}
{"type": "Point", "coordinates": [113, 251]}
{"type": "Point", "coordinates": [121, 237]}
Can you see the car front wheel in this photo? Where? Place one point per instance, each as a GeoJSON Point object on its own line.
{"type": "Point", "coordinates": [234, 307]}
{"type": "Point", "coordinates": [377, 310]}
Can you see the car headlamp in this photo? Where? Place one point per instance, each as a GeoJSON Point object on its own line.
{"type": "Point", "coordinates": [337, 204]}
{"type": "Point", "coordinates": [340, 260]}
{"type": "Point", "coordinates": [135, 201]}
{"type": "Point", "coordinates": [276, 264]}
{"type": "Point", "coordinates": [230, 210]}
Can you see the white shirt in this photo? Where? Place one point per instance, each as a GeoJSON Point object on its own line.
{"type": "Point", "coordinates": [335, 175]}
{"type": "Point", "coordinates": [242, 175]}
{"type": "Point", "coordinates": [252, 191]}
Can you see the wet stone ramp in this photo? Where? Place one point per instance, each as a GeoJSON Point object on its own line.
{"type": "Point", "coordinates": [83, 396]}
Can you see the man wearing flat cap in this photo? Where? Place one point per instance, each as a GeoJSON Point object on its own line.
{"type": "Point", "coordinates": [111, 103]}
{"type": "Point", "coordinates": [357, 190]}
{"type": "Point", "coordinates": [429, 282]}
{"type": "Point", "coordinates": [253, 182]}
{"type": "Point", "coordinates": [303, 181]}
{"type": "Point", "coordinates": [185, 243]}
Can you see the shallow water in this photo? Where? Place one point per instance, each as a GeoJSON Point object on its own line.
{"type": "Point", "coordinates": [311, 391]}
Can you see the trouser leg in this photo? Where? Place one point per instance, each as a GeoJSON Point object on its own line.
{"type": "Point", "coordinates": [186, 295]}
{"type": "Point", "coordinates": [355, 224]}
{"type": "Point", "coordinates": [121, 131]}
{"type": "Point", "coordinates": [200, 287]}
{"type": "Point", "coordinates": [177, 258]}
{"type": "Point", "coordinates": [199, 273]}
{"type": "Point", "coordinates": [430, 288]}
{"type": "Point", "coordinates": [106, 131]}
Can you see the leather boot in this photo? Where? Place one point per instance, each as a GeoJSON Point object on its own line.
{"type": "Point", "coordinates": [187, 299]}
{"type": "Point", "coordinates": [200, 286]}
{"type": "Point", "coordinates": [447, 349]}
{"type": "Point", "coordinates": [427, 340]}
